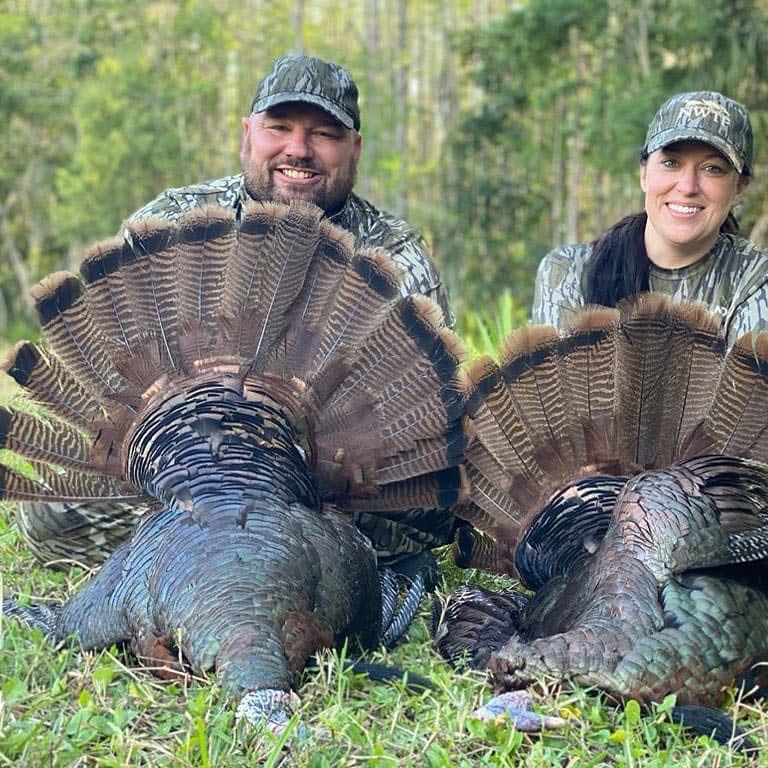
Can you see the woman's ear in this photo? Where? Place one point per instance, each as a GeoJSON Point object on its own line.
{"type": "Point", "coordinates": [741, 187]}
{"type": "Point", "coordinates": [643, 176]}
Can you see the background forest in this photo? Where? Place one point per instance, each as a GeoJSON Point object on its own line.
{"type": "Point", "coordinates": [500, 128]}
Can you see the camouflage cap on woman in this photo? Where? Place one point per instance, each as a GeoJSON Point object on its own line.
{"type": "Point", "coordinates": [313, 81]}
{"type": "Point", "coordinates": [705, 116]}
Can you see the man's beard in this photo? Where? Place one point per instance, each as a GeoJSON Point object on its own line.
{"type": "Point", "coordinates": [261, 186]}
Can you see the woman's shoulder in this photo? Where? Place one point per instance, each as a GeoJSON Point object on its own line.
{"type": "Point", "coordinates": [574, 253]}
{"type": "Point", "coordinates": [566, 258]}
{"type": "Point", "coordinates": [740, 258]}
{"type": "Point", "coordinates": [563, 261]}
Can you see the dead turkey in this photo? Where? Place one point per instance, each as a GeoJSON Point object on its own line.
{"type": "Point", "coordinates": [620, 471]}
{"type": "Point", "coordinates": [262, 384]}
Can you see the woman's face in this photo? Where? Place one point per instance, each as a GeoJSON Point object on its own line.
{"type": "Point", "coordinates": [689, 190]}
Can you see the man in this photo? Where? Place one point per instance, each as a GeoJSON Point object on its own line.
{"type": "Point", "coordinates": [301, 141]}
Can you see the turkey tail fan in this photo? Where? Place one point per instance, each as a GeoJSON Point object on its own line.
{"type": "Point", "coordinates": [539, 418]}
{"type": "Point", "coordinates": [280, 300]}
{"type": "Point", "coordinates": [47, 382]}
{"type": "Point", "coordinates": [668, 357]}
{"type": "Point", "coordinates": [737, 422]}
{"type": "Point", "coordinates": [621, 391]}
{"type": "Point", "coordinates": [266, 273]}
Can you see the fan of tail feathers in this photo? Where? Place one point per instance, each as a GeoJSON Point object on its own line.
{"type": "Point", "coordinates": [623, 391]}
{"type": "Point", "coordinates": [277, 301]}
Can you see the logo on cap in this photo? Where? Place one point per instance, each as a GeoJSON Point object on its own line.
{"type": "Point", "coordinates": [696, 109]}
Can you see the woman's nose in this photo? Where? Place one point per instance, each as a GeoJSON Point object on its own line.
{"type": "Point", "coordinates": [688, 181]}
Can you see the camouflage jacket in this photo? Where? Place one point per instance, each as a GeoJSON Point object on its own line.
{"type": "Point", "coordinates": [371, 227]}
{"type": "Point", "coordinates": [732, 280]}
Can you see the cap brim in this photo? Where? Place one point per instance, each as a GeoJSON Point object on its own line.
{"type": "Point", "coordinates": [308, 98]}
{"type": "Point", "coordinates": [673, 135]}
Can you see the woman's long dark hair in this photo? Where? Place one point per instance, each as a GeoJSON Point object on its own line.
{"type": "Point", "coordinates": [619, 265]}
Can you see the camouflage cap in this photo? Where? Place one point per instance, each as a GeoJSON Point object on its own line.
{"type": "Point", "coordinates": [705, 116]}
{"type": "Point", "coordinates": [313, 81]}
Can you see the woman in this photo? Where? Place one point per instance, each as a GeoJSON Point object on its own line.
{"type": "Point", "coordinates": [695, 166]}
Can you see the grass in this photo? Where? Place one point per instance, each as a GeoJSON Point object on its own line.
{"type": "Point", "coordinates": [65, 707]}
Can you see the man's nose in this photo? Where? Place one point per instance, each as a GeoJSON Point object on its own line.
{"type": "Point", "coordinates": [298, 143]}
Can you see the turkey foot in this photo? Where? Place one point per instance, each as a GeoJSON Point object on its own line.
{"type": "Point", "coordinates": [515, 706]}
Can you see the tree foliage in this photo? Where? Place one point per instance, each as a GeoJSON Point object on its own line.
{"type": "Point", "coordinates": [501, 129]}
{"type": "Point", "coordinates": [549, 153]}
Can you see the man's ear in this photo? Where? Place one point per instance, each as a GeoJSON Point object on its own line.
{"type": "Point", "coordinates": [245, 140]}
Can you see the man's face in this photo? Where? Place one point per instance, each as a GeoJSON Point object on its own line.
{"type": "Point", "coordinates": [297, 151]}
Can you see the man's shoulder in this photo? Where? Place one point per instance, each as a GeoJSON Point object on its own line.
{"type": "Point", "coordinates": [175, 201]}
{"type": "Point", "coordinates": [375, 227]}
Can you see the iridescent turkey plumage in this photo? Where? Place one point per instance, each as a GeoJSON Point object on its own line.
{"type": "Point", "coordinates": [621, 470]}
{"type": "Point", "coordinates": [253, 383]}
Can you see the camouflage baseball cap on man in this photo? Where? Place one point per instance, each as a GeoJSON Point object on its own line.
{"type": "Point", "coordinates": [313, 81]}
{"type": "Point", "coordinates": [705, 116]}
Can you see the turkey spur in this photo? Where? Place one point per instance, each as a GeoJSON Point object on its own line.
{"type": "Point", "coordinates": [262, 384]}
{"type": "Point", "coordinates": [620, 469]}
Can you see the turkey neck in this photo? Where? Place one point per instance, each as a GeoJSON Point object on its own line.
{"type": "Point", "coordinates": [213, 441]}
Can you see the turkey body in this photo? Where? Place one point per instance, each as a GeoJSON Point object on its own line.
{"type": "Point", "coordinates": [621, 471]}
{"type": "Point", "coordinates": [638, 618]}
{"type": "Point", "coordinates": [241, 570]}
{"type": "Point", "coordinates": [260, 390]}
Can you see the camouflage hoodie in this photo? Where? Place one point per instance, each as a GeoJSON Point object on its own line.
{"type": "Point", "coordinates": [732, 280]}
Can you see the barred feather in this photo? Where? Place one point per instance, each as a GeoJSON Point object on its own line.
{"type": "Point", "coordinates": [70, 331]}
{"type": "Point", "coordinates": [367, 290]}
{"type": "Point", "coordinates": [267, 271]}
{"type": "Point", "coordinates": [38, 440]}
{"type": "Point", "coordinates": [668, 357]}
{"type": "Point", "coordinates": [312, 308]}
{"type": "Point", "coordinates": [150, 275]}
{"type": "Point", "coordinates": [49, 383]}
{"type": "Point", "coordinates": [737, 422]}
